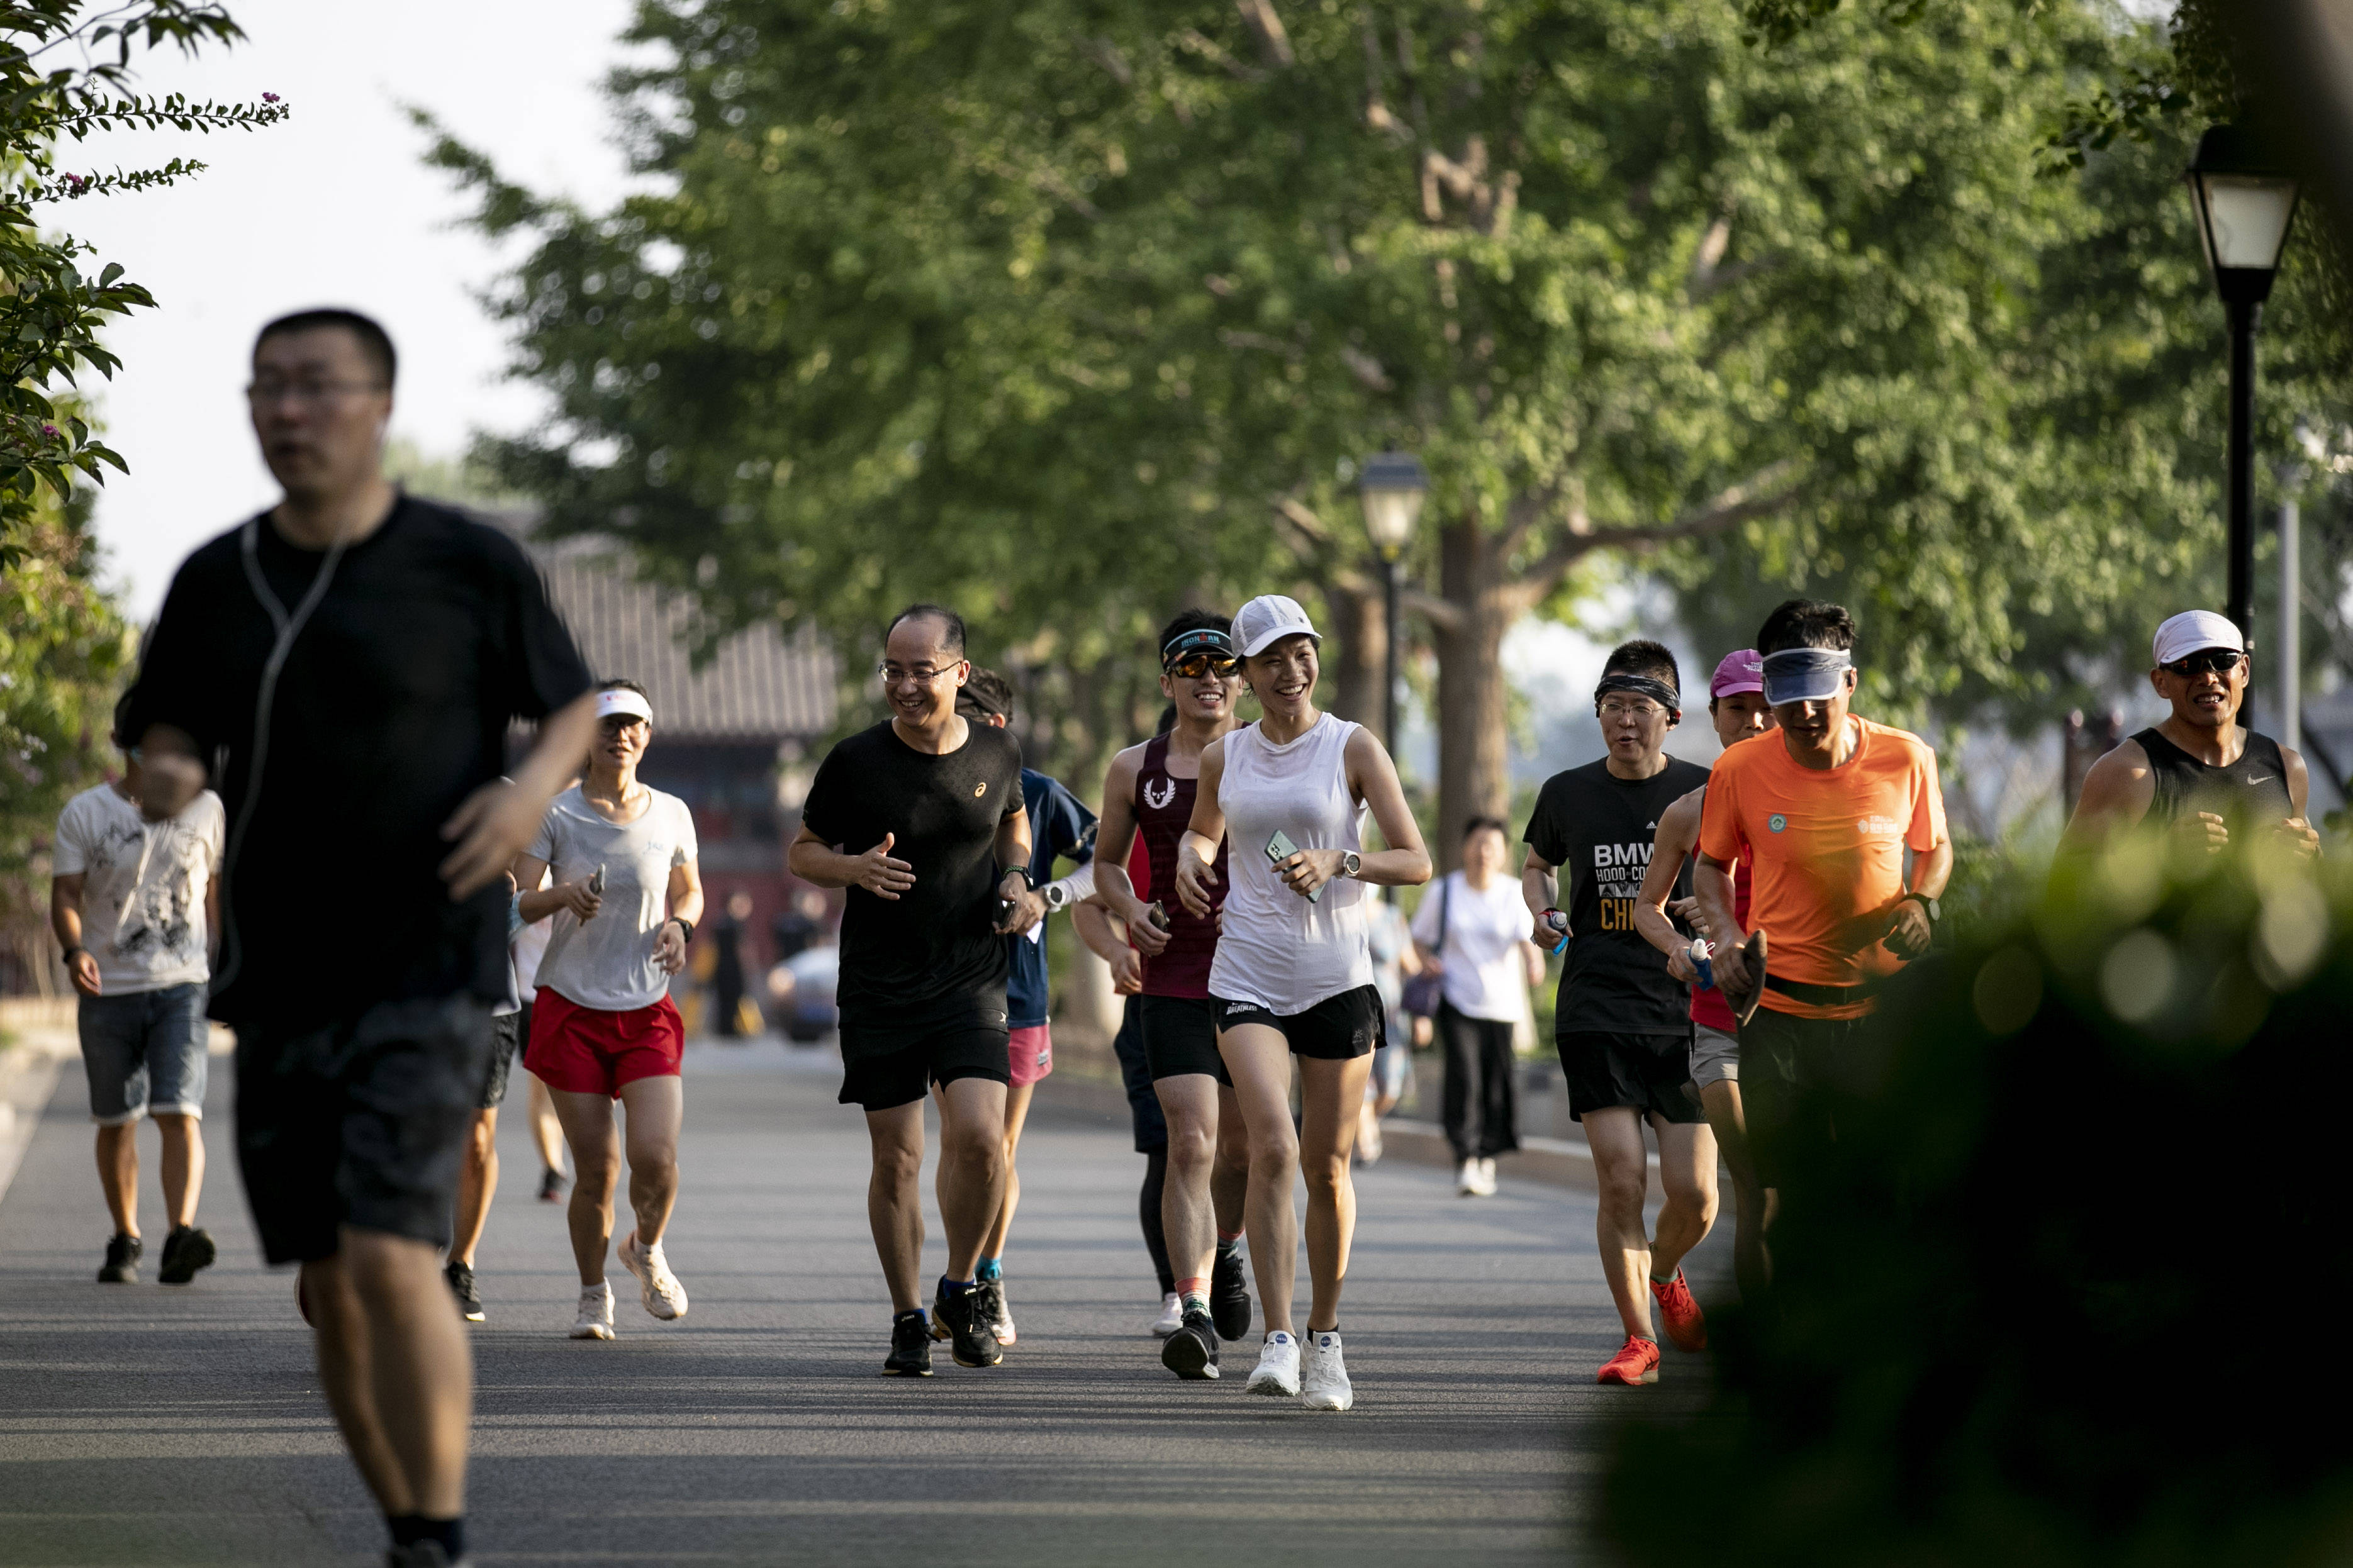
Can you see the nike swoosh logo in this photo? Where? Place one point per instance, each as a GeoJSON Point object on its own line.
{"type": "Point", "coordinates": [2262, 778]}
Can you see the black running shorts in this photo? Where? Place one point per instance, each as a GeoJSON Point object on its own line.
{"type": "Point", "coordinates": [506, 1038]}
{"type": "Point", "coordinates": [894, 1063]}
{"type": "Point", "coordinates": [1180, 1036]}
{"type": "Point", "coordinates": [1647, 1074]}
{"type": "Point", "coordinates": [1791, 1067]}
{"type": "Point", "coordinates": [1337, 1029]}
{"type": "Point", "coordinates": [359, 1123]}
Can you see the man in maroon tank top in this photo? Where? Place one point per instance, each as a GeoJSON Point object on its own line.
{"type": "Point", "coordinates": [1150, 791]}
{"type": "Point", "coordinates": [1736, 707]}
{"type": "Point", "coordinates": [2201, 773]}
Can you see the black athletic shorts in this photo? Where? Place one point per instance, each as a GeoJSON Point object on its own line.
{"type": "Point", "coordinates": [506, 1038]}
{"type": "Point", "coordinates": [1180, 1036]}
{"type": "Point", "coordinates": [1649, 1074]}
{"type": "Point", "coordinates": [888, 1063]}
{"type": "Point", "coordinates": [359, 1123]}
{"type": "Point", "coordinates": [1791, 1067]}
{"type": "Point", "coordinates": [1337, 1029]}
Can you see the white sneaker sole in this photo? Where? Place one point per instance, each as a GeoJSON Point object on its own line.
{"type": "Point", "coordinates": [1272, 1384]}
{"type": "Point", "coordinates": [1329, 1399]}
{"type": "Point", "coordinates": [592, 1331]}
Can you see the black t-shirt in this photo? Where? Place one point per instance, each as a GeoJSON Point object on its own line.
{"type": "Point", "coordinates": [934, 950]}
{"type": "Point", "coordinates": [435, 634]}
{"type": "Point", "coordinates": [1599, 829]}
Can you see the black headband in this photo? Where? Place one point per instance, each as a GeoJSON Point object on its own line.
{"type": "Point", "coordinates": [1658, 692]}
{"type": "Point", "coordinates": [1208, 639]}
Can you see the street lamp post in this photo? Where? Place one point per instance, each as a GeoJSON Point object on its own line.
{"type": "Point", "coordinates": [1393, 485]}
{"type": "Point", "coordinates": [2244, 203]}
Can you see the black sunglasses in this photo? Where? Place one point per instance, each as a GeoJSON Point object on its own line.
{"type": "Point", "coordinates": [1193, 666]}
{"type": "Point", "coordinates": [2207, 661]}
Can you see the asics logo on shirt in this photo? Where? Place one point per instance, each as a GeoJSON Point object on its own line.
{"type": "Point", "coordinates": [1159, 799]}
{"type": "Point", "coordinates": [980, 789]}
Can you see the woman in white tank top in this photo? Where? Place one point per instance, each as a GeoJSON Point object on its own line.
{"type": "Point", "coordinates": [1293, 973]}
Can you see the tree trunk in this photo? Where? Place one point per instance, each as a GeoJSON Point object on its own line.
{"type": "Point", "coordinates": [1353, 655]}
{"type": "Point", "coordinates": [1473, 753]}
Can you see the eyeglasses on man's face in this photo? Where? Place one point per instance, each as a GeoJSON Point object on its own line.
{"type": "Point", "coordinates": [1637, 710]}
{"type": "Point", "coordinates": [922, 674]}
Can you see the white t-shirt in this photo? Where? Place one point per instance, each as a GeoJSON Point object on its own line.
{"type": "Point", "coordinates": [609, 964]}
{"type": "Point", "coordinates": [1486, 973]}
{"type": "Point", "coordinates": [142, 897]}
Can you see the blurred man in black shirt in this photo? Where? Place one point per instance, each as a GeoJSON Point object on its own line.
{"type": "Point", "coordinates": [343, 669]}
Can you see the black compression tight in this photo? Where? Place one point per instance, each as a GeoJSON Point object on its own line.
{"type": "Point", "coordinates": [1147, 1208]}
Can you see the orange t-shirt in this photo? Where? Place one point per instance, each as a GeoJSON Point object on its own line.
{"type": "Point", "coordinates": [1828, 847]}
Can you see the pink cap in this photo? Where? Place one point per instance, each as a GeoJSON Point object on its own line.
{"type": "Point", "coordinates": [1742, 670]}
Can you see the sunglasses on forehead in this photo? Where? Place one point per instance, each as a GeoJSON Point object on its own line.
{"type": "Point", "coordinates": [2207, 661]}
{"type": "Point", "coordinates": [1200, 662]}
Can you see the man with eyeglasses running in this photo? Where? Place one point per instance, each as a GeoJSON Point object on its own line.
{"type": "Point", "coordinates": [1622, 1023]}
{"type": "Point", "coordinates": [2199, 771]}
{"type": "Point", "coordinates": [1149, 791]}
{"type": "Point", "coordinates": [1823, 812]}
{"type": "Point", "coordinates": [935, 800]}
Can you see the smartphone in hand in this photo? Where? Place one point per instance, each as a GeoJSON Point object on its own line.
{"type": "Point", "coordinates": [1280, 849]}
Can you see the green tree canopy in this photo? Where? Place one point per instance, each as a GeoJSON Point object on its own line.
{"type": "Point", "coordinates": [1075, 309]}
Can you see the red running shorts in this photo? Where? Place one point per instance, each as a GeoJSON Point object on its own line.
{"type": "Point", "coordinates": [586, 1050]}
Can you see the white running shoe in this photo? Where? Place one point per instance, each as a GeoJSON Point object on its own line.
{"type": "Point", "coordinates": [664, 1297]}
{"type": "Point", "coordinates": [1171, 1318]}
{"type": "Point", "coordinates": [1466, 1180]}
{"type": "Point", "coordinates": [1323, 1375]}
{"type": "Point", "coordinates": [1487, 1177]}
{"type": "Point", "coordinates": [595, 1319]}
{"type": "Point", "coordinates": [1277, 1372]}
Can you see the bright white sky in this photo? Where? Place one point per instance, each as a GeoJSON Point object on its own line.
{"type": "Point", "coordinates": [330, 207]}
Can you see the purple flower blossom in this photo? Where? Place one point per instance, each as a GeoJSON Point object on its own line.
{"type": "Point", "coordinates": [50, 431]}
{"type": "Point", "coordinates": [269, 97]}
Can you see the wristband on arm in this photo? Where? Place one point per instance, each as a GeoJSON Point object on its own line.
{"type": "Point", "coordinates": [685, 927]}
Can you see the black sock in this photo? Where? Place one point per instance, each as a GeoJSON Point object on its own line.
{"type": "Point", "coordinates": [408, 1528]}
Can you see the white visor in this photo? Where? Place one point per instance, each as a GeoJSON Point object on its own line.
{"type": "Point", "coordinates": [2191, 630]}
{"type": "Point", "coordinates": [621, 700]}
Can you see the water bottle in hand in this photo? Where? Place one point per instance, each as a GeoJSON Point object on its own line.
{"type": "Point", "coordinates": [1703, 956]}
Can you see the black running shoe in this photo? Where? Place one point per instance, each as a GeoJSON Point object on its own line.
{"type": "Point", "coordinates": [551, 1186]}
{"type": "Point", "coordinates": [185, 1250]}
{"type": "Point", "coordinates": [422, 1554]}
{"type": "Point", "coordinates": [122, 1265]}
{"type": "Point", "coordinates": [1229, 1296]}
{"type": "Point", "coordinates": [964, 1320]}
{"type": "Point", "coordinates": [461, 1285]}
{"type": "Point", "coordinates": [911, 1346]}
{"type": "Point", "coordinates": [1191, 1353]}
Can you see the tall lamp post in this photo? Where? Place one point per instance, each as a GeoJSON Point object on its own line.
{"type": "Point", "coordinates": [2245, 203]}
{"type": "Point", "coordinates": [1393, 485]}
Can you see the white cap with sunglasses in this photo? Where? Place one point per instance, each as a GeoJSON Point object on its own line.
{"type": "Point", "coordinates": [2194, 631]}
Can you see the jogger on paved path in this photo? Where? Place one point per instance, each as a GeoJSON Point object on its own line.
{"type": "Point", "coordinates": [1293, 971]}
{"type": "Point", "coordinates": [1736, 704]}
{"type": "Point", "coordinates": [1149, 797]}
{"type": "Point", "coordinates": [1622, 1022]}
{"type": "Point", "coordinates": [626, 893]}
{"type": "Point", "coordinates": [134, 903]}
{"type": "Point", "coordinates": [355, 657]}
{"type": "Point", "coordinates": [2201, 772]}
{"type": "Point", "coordinates": [1060, 828]}
{"type": "Point", "coordinates": [922, 818]}
{"type": "Point", "coordinates": [1473, 928]}
{"type": "Point", "coordinates": [478, 1176]}
{"type": "Point", "coordinates": [1824, 811]}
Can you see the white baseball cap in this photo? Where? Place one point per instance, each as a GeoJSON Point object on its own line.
{"type": "Point", "coordinates": [1267, 620]}
{"type": "Point", "coordinates": [2191, 630]}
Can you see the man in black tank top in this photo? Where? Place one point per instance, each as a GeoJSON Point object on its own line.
{"type": "Point", "coordinates": [2199, 772]}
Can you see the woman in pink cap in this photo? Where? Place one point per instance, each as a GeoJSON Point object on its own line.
{"type": "Point", "coordinates": [1737, 706]}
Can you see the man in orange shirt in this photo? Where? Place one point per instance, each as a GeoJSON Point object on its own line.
{"type": "Point", "coordinates": [1827, 806]}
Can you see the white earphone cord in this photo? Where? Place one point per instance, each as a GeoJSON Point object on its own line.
{"type": "Point", "coordinates": [289, 629]}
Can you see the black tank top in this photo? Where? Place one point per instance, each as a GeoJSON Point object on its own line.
{"type": "Point", "coordinates": [2254, 787]}
{"type": "Point", "coordinates": [1164, 807]}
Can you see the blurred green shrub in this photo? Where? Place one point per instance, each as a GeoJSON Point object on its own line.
{"type": "Point", "coordinates": [2064, 1290]}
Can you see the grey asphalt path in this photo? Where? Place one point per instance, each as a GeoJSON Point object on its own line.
{"type": "Point", "coordinates": [145, 1424]}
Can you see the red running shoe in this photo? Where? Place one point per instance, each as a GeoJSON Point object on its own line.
{"type": "Point", "coordinates": [1686, 1325]}
{"type": "Point", "coordinates": [1637, 1362]}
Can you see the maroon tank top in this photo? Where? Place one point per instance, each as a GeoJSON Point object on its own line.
{"type": "Point", "coordinates": [1164, 809]}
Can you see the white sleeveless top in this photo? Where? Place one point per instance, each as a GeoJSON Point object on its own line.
{"type": "Point", "coordinates": [1277, 949]}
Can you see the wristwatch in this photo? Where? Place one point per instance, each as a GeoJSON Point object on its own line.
{"type": "Point", "coordinates": [685, 928]}
{"type": "Point", "coordinates": [1055, 895]}
{"type": "Point", "coordinates": [1351, 863]}
{"type": "Point", "coordinates": [1928, 906]}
